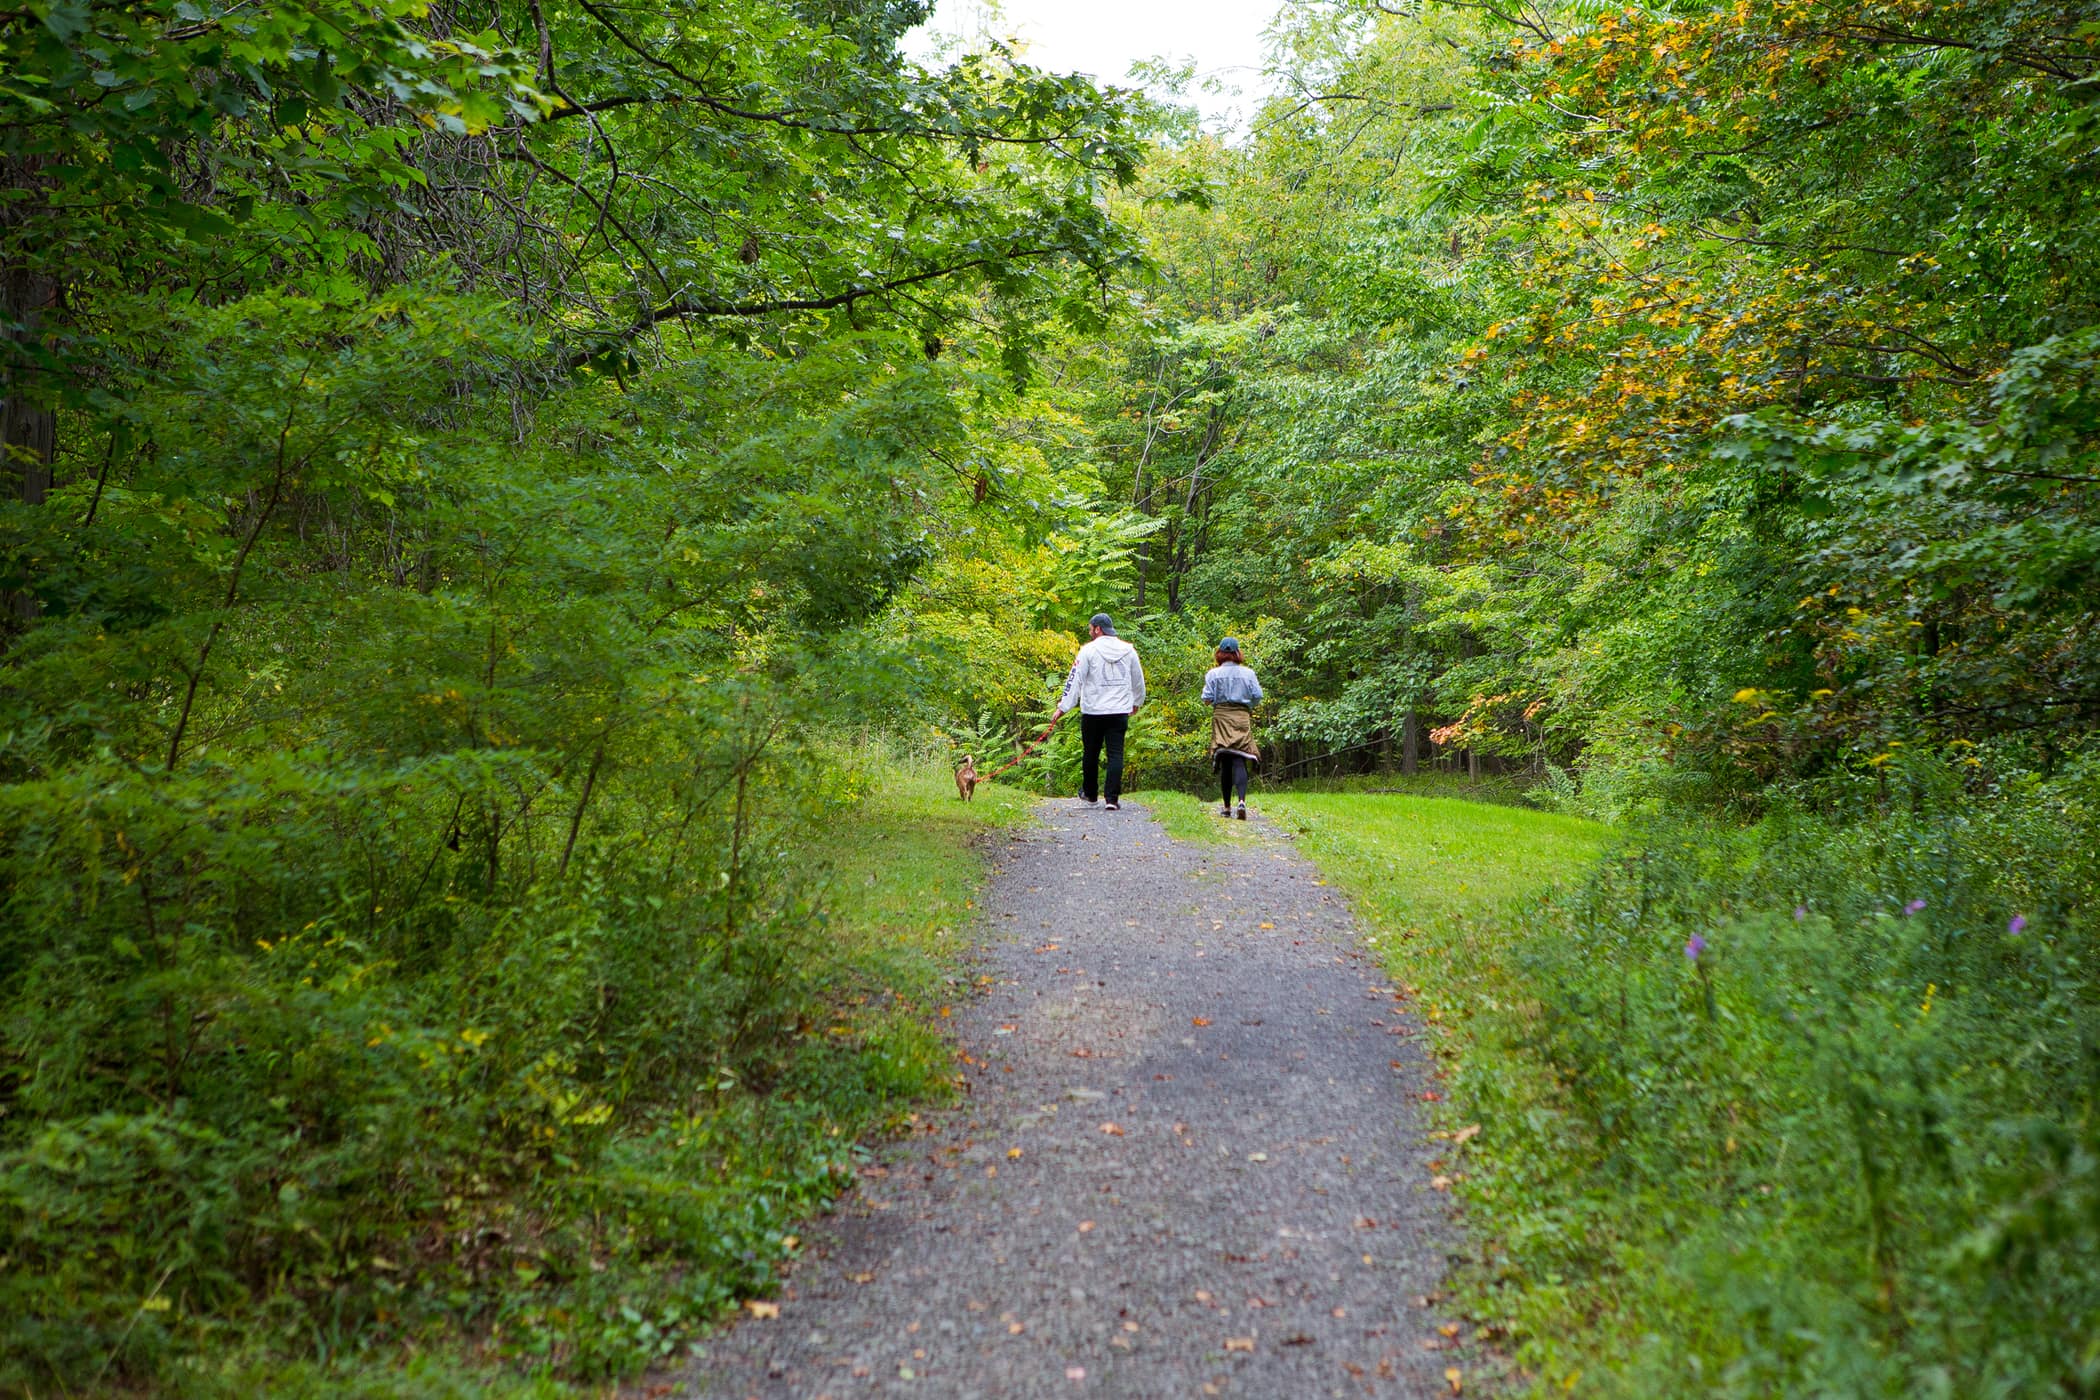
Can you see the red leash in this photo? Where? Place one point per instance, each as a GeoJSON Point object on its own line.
{"type": "Point", "coordinates": [1029, 749]}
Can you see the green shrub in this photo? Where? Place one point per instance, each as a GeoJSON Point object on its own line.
{"type": "Point", "coordinates": [1807, 1107]}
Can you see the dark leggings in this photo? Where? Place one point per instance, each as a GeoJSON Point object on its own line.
{"type": "Point", "coordinates": [1232, 773]}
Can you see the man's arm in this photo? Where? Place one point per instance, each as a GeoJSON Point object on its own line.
{"type": "Point", "coordinates": [1137, 692]}
{"type": "Point", "coordinates": [1071, 695]}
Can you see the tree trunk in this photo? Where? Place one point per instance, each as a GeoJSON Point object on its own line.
{"type": "Point", "coordinates": [1410, 744]}
{"type": "Point", "coordinates": [28, 424]}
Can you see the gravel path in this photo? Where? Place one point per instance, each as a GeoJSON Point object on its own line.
{"type": "Point", "coordinates": [1189, 1163]}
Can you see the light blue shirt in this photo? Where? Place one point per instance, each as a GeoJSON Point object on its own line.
{"type": "Point", "coordinates": [1231, 684]}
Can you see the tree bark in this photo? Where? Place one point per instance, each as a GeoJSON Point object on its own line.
{"type": "Point", "coordinates": [28, 423]}
{"type": "Point", "coordinates": [1410, 744]}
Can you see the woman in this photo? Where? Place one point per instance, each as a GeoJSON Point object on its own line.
{"type": "Point", "coordinates": [1232, 692]}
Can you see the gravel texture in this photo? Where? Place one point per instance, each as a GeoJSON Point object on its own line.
{"type": "Point", "coordinates": [1190, 1160]}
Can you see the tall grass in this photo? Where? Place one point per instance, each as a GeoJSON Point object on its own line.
{"type": "Point", "coordinates": [250, 1128]}
{"type": "Point", "coordinates": [1801, 1108]}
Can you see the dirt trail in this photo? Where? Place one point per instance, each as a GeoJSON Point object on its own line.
{"type": "Point", "coordinates": [1190, 1161]}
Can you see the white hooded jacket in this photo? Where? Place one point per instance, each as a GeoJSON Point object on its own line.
{"type": "Point", "coordinates": [1107, 679]}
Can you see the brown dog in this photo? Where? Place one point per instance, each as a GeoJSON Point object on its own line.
{"type": "Point", "coordinates": [966, 778]}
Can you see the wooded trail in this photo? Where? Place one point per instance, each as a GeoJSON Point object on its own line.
{"type": "Point", "coordinates": [1190, 1159]}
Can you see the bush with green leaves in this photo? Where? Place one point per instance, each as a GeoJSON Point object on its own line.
{"type": "Point", "coordinates": [1812, 1103]}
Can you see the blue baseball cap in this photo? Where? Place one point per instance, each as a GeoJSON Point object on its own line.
{"type": "Point", "coordinates": [1231, 644]}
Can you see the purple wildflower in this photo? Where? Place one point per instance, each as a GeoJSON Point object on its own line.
{"type": "Point", "coordinates": [1800, 912]}
{"type": "Point", "coordinates": [1693, 947]}
{"type": "Point", "coordinates": [2017, 926]}
{"type": "Point", "coordinates": [1916, 906]}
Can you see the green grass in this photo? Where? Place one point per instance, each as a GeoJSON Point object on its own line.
{"type": "Point", "coordinates": [1489, 788]}
{"type": "Point", "coordinates": [1450, 891]}
{"type": "Point", "coordinates": [1188, 817]}
{"type": "Point", "coordinates": [897, 867]}
{"type": "Point", "coordinates": [902, 873]}
{"type": "Point", "coordinates": [1434, 867]}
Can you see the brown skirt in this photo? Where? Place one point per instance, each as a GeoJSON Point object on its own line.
{"type": "Point", "coordinates": [1232, 731]}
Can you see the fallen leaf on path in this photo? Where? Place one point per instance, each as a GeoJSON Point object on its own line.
{"type": "Point", "coordinates": [1257, 1156]}
{"type": "Point", "coordinates": [1075, 1373]}
{"type": "Point", "coordinates": [1239, 1344]}
{"type": "Point", "coordinates": [1440, 1183]}
{"type": "Point", "coordinates": [1268, 926]}
{"type": "Point", "coordinates": [866, 1277]}
{"type": "Point", "coordinates": [1015, 1328]}
{"type": "Point", "coordinates": [1085, 1225]}
{"type": "Point", "coordinates": [1467, 1133]}
{"type": "Point", "coordinates": [762, 1309]}
{"type": "Point", "coordinates": [1199, 1020]}
{"type": "Point", "coordinates": [1449, 1329]}
{"type": "Point", "coordinates": [1130, 1327]}
{"type": "Point", "coordinates": [1298, 1339]}
{"type": "Point", "coordinates": [1111, 1129]}
{"type": "Point", "coordinates": [1341, 1312]}
{"type": "Point", "coordinates": [1012, 1152]}
{"type": "Point", "coordinates": [1453, 1375]}
{"type": "Point", "coordinates": [1431, 1096]}
{"type": "Point", "coordinates": [1365, 1222]}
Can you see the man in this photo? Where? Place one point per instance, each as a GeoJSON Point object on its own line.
{"type": "Point", "coordinates": [1108, 686]}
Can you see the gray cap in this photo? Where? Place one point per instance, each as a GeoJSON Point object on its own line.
{"type": "Point", "coordinates": [1101, 621]}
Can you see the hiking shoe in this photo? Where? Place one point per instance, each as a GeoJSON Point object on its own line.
{"type": "Point", "coordinates": [1115, 806]}
{"type": "Point", "coordinates": [1243, 814]}
{"type": "Point", "coordinates": [1225, 811]}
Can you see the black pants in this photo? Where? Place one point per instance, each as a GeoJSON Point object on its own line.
{"type": "Point", "coordinates": [1232, 772]}
{"type": "Point", "coordinates": [1095, 731]}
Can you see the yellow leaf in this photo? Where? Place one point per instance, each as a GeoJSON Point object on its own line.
{"type": "Point", "coordinates": [760, 1308]}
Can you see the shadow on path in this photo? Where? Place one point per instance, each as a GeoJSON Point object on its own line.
{"type": "Point", "coordinates": [1189, 1161]}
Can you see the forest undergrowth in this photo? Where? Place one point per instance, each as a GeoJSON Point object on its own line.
{"type": "Point", "coordinates": [555, 1147]}
{"type": "Point", "coordinates": [1775, 1108]}
{"type": "Point", "coordinates": [462, 468]}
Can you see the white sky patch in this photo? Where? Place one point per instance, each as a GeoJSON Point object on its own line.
{"type": "Point", "coordinates": [1103, 38]}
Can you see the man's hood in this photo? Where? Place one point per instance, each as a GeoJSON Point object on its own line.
{"type": "Point", "coordinates": [1112, 648]}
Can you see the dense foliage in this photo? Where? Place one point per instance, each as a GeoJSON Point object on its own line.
{"type": "Point", "coordinates": [1591, 385]}
{"type": "Point", "coordinates": [470, 466]}
{"type": "Point", "coordinates": [458, 459]}
{"type": "Point", "coordinates": [1695, 406]}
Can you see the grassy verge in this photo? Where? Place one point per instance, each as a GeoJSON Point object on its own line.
{"type": "Point", "coordinates": [1188, 817]}
{"type": "Point", "coordinates": [1447, 873]}
{"type": "Point", "coordinates": [1800, 1107]}
{"type": "Point", "coordinates": [1501, 791]}
{"type": "Point", "coordinates": [649, 1219]}
{"type": "Point", "coordinates": [1450, 891]}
